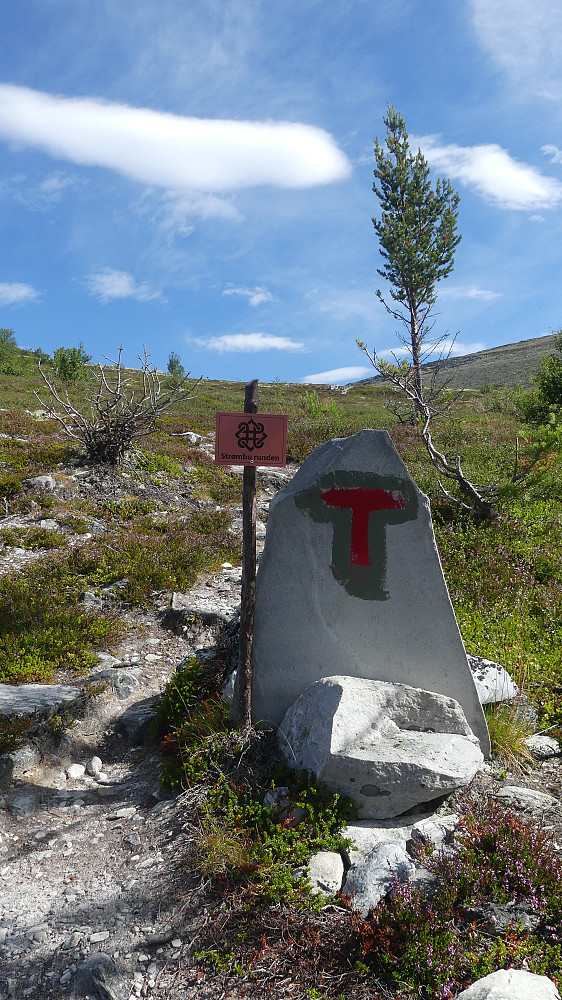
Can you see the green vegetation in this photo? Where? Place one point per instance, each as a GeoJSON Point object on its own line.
{"type": "Point", "coordinates": [70, 363]}
{"type": "Point", "coordinates": [241, 844]}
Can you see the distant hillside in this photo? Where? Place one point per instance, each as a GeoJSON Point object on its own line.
{"type": "Point", "coordinates": [499, 366]}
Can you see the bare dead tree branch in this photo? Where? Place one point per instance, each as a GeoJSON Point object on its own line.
{"type": "Point", "coordinates": [476, 497]}
{"type": "Point", "coordinates": [119, 413]}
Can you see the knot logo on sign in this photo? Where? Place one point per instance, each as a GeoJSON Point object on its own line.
{"type": "Point", "coordinates": [360, 507]}
{"type": "Point", "coordinates": [250, 435]}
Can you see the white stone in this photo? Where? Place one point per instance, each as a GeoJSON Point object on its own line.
{"type": "Point", "coordinates": [543, 747]}
{"type": "Point", "coordinates": [492, 681]}
{"type": "Point", "coordinates": [321, 610]}
{"type": "Point", "coordinates": [372, 877]}
{"type": "Point", "coordinates": [76, 770]}
{"type": "Point", "coordinates": [325, 871]}
{"type": "Point", "coordinates": [511, 984]}
{"type": "Point", "coordinates": [386, 746]}
{"type": "Point", "coordinates": [94, 767]}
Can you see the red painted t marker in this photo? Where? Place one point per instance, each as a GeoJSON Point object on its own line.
{"type": "Point", "coordinates": [362, 501]}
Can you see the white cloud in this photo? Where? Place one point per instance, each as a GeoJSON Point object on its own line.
{"type": "Point", "coordinates": [337, 375]}
{"type": "Point", "coordinates": [15, 292]}
{"type": "Point", "coordinates": [468, 292]}
{"type": "Point", "coordinates": [554, 153]}
{"type": "Point", "coordinates": [249, 342]}
{"type": "Point", "coordinates": [494, 174]}
{"type": "Point", "coordinates": [178, 209]}
{"type": "Point", "coordinates": [108, 284]}
{"type": "Point", "coordinates": [524, 39]}
{"type": "Point", "coordinates": [171, 151]}
{"type": "Point", "coordinates": [256, 296]}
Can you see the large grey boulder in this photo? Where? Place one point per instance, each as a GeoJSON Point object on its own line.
{"type": "Point", "coordinates": [350, 583]}
{"type": "Point", "coordinates": [386, 746]}
{"type": "Point", "coordinates": [511, 984]}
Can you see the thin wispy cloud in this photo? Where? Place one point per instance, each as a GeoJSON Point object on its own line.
{"type": "Point", "coordinates": [247, 343]}
{"type": "Point", "coordinates": [337, 375]}
{"type": "Point", "coordinates": [468, 292]}
{"type": "Point", "coordinates": [170, 151]}
{"type": "Point", "coordinates": [524, 39]}
{"type": "Point", "coordinates": [13, 293]}
{"type": "Point", "coordinates": [493, 174]}
{"type": "Point", "coordinates": [256, 296]}
{"type": "Point", "coordinates": [108, 284]}
{"type": "Point", "coordinates": [457, 350]}
{"type": "Point", "coordinates": [553, 152]}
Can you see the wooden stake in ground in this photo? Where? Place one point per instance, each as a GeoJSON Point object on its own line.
{"type": "Point", "coordinates": [248, 575]}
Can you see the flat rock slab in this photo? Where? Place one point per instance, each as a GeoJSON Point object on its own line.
{"type": "Point", "coordinates": [511, 984]}
{"type": "Point", "coordinates": [526, 798]}
{"type": "Point", "coordinates": [350, 583]}
{"type": "Point", "coordinates": [388, 747]}
{"type": "Point", "coordinates": [41, 700]}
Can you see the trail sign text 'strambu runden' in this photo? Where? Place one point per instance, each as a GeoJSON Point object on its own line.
{"type": "Point", "coordinates": [251, 439]}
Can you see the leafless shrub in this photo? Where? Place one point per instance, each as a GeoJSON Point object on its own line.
{"type": "Point", "coordinates": [119, 413]}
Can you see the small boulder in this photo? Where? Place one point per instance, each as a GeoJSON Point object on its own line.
{"type": "Point", "coordinates": [526, 798]}
{"type": "Point", "coordinates": [492, 681]}
{"type": "Point", "coordinates": [388, 747]}
{"type": "Point", "coordinates": [511, 984]}
{"type": "Point", "coordinates": [325, 871]}
{"type": "Point", "coordinates": [372, 877]}
{"type": "Point", "coordinates": [543, 747]}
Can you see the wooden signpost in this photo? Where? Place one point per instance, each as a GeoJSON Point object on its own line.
{"type": "Point", "coordinates": [249, 440]}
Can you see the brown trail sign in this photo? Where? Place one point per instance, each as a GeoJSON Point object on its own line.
{"type": "Point", "coordinates": [250, 440]}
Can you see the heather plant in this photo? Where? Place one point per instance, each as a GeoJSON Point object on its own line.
{"type": "Point", "coordinates": [427, 939]}
{"type": "Point", "coordinates": [165, 555]}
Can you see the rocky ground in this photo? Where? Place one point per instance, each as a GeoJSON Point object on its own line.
{"type": "Point", "coordinates": [94, 899]}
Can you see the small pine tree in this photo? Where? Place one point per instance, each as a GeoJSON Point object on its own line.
{"type": "Point", "coordinates": [417, 232]}
{"type": "Point", "coordinates": [175, 366]}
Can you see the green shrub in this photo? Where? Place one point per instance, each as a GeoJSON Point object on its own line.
{"type": "Point", "coordinates": [70, 363]}
{"type": "Point", "coordinates": [33, 539]}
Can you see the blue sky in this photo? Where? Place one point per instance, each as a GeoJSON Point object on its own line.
{"type": "Point", "coordinates": [197, 177]}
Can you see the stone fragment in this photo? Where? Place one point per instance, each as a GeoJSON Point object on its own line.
{"type": "Point", "coordinates": [325, 871]}
{"type": "Point", "coordinates": [350, 583]}
{"type": "Point", "coordinates": [123, 682]}
{"type": "Point", "coordinates": [23, 803]}
{"type": "Point", "coordinates": [543, 747]}
{"type": "Point", "coordinates": [98, 977]}
{"type": "Point", "coordinates": [94, 767]}
{"type": "Point", "coordinates": [41, 483]}
{"type": "Point", "coordinates": [492, 681]}
{"type": "Point", "coordinates": [388, 747]}
{"type": "Point", "coordinates": [526, 798]}
{"type": "Point", "coordinates": [99, 936]}
{"type": "Point", "coordinates": [125, 812]}
{"type": "Point", "coordinates": [372, 877]}
{"type": "Point", "coordinates": [76, 771]}
{"type": "Point", "coordinates": [367, 834]}
{"type": "Point", "coordinates": [511, 984]}
{"type": "Point", "coordinates": [436, 830]}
